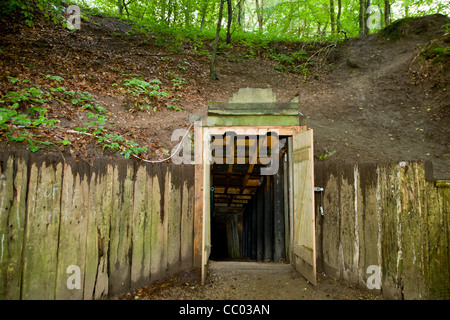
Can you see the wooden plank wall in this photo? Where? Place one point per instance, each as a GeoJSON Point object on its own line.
{"type": "Point", "coordinates": [123, 223]}
{"type": "Point", "coordinates": [388, 215]}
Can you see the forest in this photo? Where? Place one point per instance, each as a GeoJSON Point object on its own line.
{"type": "Point", "coordinates": [270, 19]}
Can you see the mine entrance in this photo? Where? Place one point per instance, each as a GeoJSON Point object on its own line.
{"type": "Point", "coordinates": [254, 187]}
{"type": "Point", "coordinates": [250, 207]}
{"type": "Point", "coordinates": [259, 209]}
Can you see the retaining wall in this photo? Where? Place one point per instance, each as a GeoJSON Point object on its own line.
{"type": "Point", "coordinates": [387, 215]}
{"type": "Point", "coordinates": [123, 223]}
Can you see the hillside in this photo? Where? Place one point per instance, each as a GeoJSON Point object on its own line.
{"type": "Point", "coordinates": [382, 97]}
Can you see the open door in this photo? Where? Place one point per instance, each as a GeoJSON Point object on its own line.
{"type": "Point", "coordinates": [206, 229]}
{"type": "Point", "coordinates": [303, 246]}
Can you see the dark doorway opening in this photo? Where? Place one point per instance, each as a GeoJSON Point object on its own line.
{"type": "Point", "coordinates": [250, 212]}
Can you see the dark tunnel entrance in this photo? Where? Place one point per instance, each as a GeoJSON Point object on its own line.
{"type": "Point", "coordinates": [250, 211]}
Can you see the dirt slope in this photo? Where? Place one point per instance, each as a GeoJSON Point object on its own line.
{"type": "Point", "coordinates": [378, 99]}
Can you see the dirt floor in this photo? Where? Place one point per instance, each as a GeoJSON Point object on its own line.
{"type": "Point", "coordinates": [369, 99]}
{"type": "Point", "coordinates": [228, 280]}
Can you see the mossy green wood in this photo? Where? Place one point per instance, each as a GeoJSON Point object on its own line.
{"type": "Point", "coordinates": [174, 219]}
{"type": "Point", "coordinates": [13, 189]}
{"type": "Point", "coordinates": [72, 233]}
{"type": "Point", "coordinates": [98, 233]}
{"type": "Point", "coordinates": [253, 120]}
{"type": "Point", "coordinates": [42, 231]}
{"type": "Point", "coordinates": [121, 226]}
{"type": "Point", "coordinates": [140, 261]}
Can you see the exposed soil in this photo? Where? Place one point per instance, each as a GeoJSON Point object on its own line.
{"type": "Point", "coordinates": [376, 98]}
{"type": "Point", "coordinates": [248, 281]}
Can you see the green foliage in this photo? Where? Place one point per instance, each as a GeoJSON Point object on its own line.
{"type": "Point", "coordinates": [54, 78]}
{"type": "Point", "coordinates": [294, 62]}
{"type": "Point", "coordinates": [145, 93]}
{"type": "Point", "coordinates": [23, 111]}
{"type": "Point", "coordinates": [176, 80]}
{"type": "Point", "coordinates": [52, 9]}
{"type": "Point", "coordinates": [326, 154]}
{"type": "Point", "coordinates": [172, 107]}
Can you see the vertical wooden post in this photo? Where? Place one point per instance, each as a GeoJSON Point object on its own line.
{"type": "Point", "coordinates": [198, 197]}
{"type": "Point", "coordinates": [278, 204]}
{"type": "Point", "coordinates": [260, 224]}
{"type": "Point", "coordinates": [268, 218]}
{"type": "Point", "coordinates": [286, 204]}
{"type": "Point", "coordinates": [253, 230]}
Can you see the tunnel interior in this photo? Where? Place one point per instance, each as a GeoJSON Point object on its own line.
{"type": "Point", "coordinates": [250, 208]}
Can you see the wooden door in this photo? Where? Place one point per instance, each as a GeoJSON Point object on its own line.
{"type": "Point", "coordinates": [303, 247]}
{"type": "Point", "coordinates": [206, 214]}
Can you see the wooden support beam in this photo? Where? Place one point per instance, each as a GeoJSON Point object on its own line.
{"type": "Point", "coordinates": [278, 206]}
{"type": "Point", "coordinates": [268, 218]}
{"type": "Point", "coordinates": [198, 198]}
{"type": "Point", "coordinates": [260, 224]}
{"type": "Point", "coordinates": [253, 230]}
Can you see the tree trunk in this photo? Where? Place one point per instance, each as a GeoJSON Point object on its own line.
{"type": "Point", "coordinates": [387, 13]}
{"type": "Point", "coordinates": [333, 21]}
{"type": "Point", "coordinates": [241, 11]}
{"type": "Point", "coordinates": [363, 5]}
{"type": "Point", "coordinates": [203, 14]}
{"type": "Point", "coordinates": [230, 20]}
{"type": "Point", "coordinates": [338, 18]}
{"type": "Point", "coordinates": [120, 7]}
{"type": "Point", "coordinates": [212, 67]}
{"type": "Point", "coordinates": [125, 5]}
{"type": "Point", "coordinates": [259, 13]}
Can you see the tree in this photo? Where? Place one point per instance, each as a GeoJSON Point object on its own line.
{"type": "Point", "coordinates": [338, 18]}
{"type": "Point", "coordinates": [387, 13]}
{"type": "Point", "coordinates": [333, 21]}
{"type": "Point", "coordinates": [212, 66]}
{"type": "Point", "coordinates": [363, 5]}
{"type": "Point", "coordinates": [230, 19]}
{"type": "Point", "coordinates": [260, 14]}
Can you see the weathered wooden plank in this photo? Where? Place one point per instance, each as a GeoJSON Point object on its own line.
{"type": "Point", "coordinates": [157, 235]}
{"type": "Point", "coordinates": [42, 229]}
{"type": "Point", "coordinates": [6, 200]}
{"type": "Point", "coordinates": [348, 231]}
{"type": "Point", "coordinates": [275, 108]}
{"type": "Point", "coordinates": [331, 221]}
{"type": "Point", "coordinates": [120, 243]}
{"type": "Point", "coordinates": [72, 233]}
{"type": "Point", "coordinates": [367, 221]}
{"type": "Point", "coordinates": [253, 230]}
{"type": "Point", "coordinates": [165, 211]}
{"type": "Point", "coordinates": [442, 290]}
{"type": "Point", "coordinates": [411, 233]}
{"type": "Point", "coordinates": [391, 225]}
{"type": "Point", "coordinates": [255, 121]}
{"type": "Point", "coordinates": [198, 196]}
{"type": "Point", "coordinates": [438, 272]}
{"type": "Point", "coordinates": [262, 130]}
{"type": "Point", "coordinates": [260, 224]}
{"type": "Point", "coordinates": [13, 189]}
{"type": "Point", "coordinates": [140, 259]}
{"type": "Point", "coordinates": [98, 230]}
{"type": "Point", "coordinates": [187, 217]}
{"type": "Point", "coordinates": [268, 218]}
{"type": "Point", "coordinates": [174, 219]}
{"type": "Point", "coordinates": [278, 216]}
